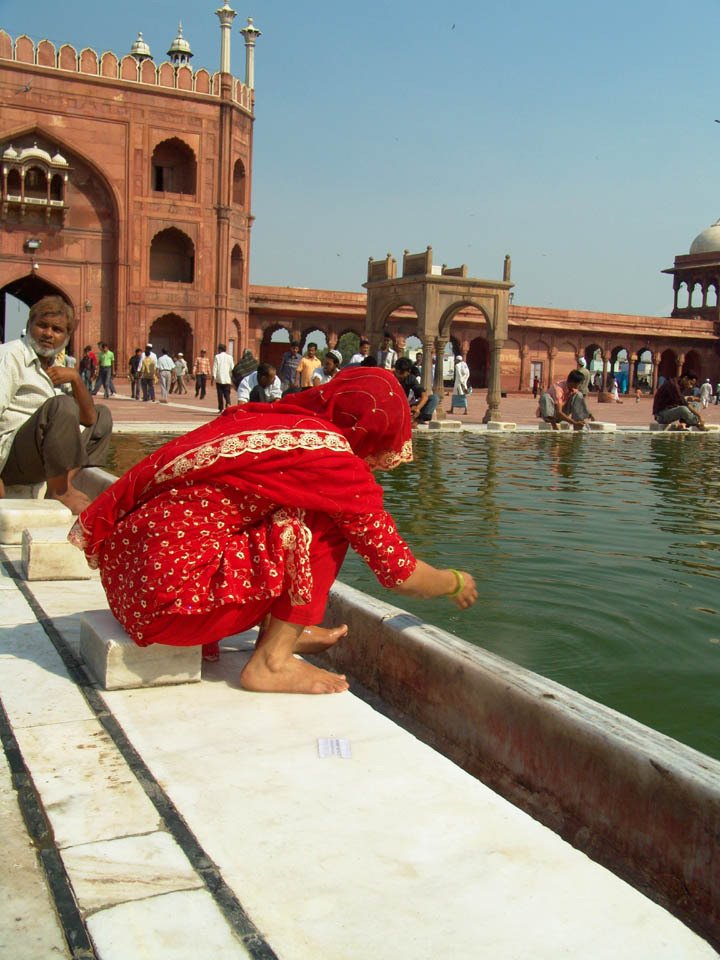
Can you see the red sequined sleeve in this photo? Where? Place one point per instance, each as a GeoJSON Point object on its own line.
{"type": "Point", "coordinates": [375, 538]}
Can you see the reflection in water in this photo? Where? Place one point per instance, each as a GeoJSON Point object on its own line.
{"type": "Point", "coordinates": [597, 559]}
{"type": "Point", "coordinates": [127, 449]}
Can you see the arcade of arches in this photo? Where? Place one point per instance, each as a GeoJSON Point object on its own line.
{"type": "Point", "coordinates": [638, 351]}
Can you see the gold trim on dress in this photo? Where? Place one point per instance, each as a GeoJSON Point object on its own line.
{"type": "Point", "coordinates": [254, 441]}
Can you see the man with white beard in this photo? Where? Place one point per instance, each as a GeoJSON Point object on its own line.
{"type": "Point", "coordinates": [42, 407]}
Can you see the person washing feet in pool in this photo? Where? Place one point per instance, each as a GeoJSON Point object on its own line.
{"type": "Point", "coordinates": [563, 401]}
{"type": "Point", "coordinates": [246, 521]}
{"type": "Point", "coordinates": [671, 403]}
{"type": "Point", "coordinates": [42, 407]}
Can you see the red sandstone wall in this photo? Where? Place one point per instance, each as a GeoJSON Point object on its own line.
{"type": "Point", "coordinates": [107, 129]}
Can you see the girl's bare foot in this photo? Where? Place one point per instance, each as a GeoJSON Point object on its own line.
{"type": "Point", "coordinates": [316, 639]}
{"type": "Point", "coordinates": [262, 675]}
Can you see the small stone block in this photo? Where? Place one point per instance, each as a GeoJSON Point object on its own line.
{"type": "Point", "coordinates": [117, 663]}
{"type": "Point", "coordinates": [47, 555]}
{"type": "Point", "coordinates": [657, 426]}
{"type": "Point", "coordinates": [17, 515]}
{"type": "Point", "coordinates": [598, 425]}
{"type": "Point", "coordinates": [499, 425]}
{"type": "Point", "coordinates": [444, 425]}
{"type": "Point", "coordinates": [25, 491]}
{"type": "Point", "coordinates": [711, 428]}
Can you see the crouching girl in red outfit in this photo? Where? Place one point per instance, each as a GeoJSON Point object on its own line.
{"type": "Point", "coordinates": [247, 520]}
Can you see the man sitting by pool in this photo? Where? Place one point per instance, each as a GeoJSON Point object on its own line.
{"type": "Point", "coordinates": [670, 404]}
{"type": "Point", "coordinates": [563, 402]}
{"type": "Point", "coordinates": [43, 405]}
{"type": "Point", "coordinates": [422, 402]}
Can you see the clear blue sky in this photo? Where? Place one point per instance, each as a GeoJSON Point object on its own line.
{"type": "Point", "coordinates": [579, 138]}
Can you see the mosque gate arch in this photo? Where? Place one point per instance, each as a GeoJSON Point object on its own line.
{"type": "Point", "coordinates": [437, 294]}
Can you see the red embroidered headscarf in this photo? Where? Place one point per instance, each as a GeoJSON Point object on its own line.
{"type": "Point", "coordinates": [312, 450]}
{"type": "Point", "coordinates": [369, 408]}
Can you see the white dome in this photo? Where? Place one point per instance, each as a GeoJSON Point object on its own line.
{"type": "Point", "coordinates": [708, 241]}
{"type": "Point", "coordinates": [34, 153]}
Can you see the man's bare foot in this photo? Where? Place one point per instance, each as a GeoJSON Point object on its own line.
{"type": "Point", "coordinates": [73, 499]}
{"type": "Point", "coordinates": [316, 639]}
{"type": "Point", "coordinates": [262, 675]}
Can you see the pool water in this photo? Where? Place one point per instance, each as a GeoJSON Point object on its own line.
{"type": "Point", "coordinates": [597, 559]}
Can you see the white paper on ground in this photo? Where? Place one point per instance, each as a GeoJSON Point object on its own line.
{"type": "Point", "coordinates": [334, 747]}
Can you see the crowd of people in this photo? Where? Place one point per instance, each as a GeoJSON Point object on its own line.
{"type": "Point", "coordinates": [265, 382]}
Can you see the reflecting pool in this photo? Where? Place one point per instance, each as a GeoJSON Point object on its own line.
{"type": "Point", "coordinates": [597, 559]}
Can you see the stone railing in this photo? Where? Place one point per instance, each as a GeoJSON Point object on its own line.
{"type": "Point", "coordinates": [111, 67]}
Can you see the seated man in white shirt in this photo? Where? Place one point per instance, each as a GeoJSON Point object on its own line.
{"type": "Point", "coordinates": [43, 406]}
{"type": "Point", "coordinates": [330, 366]}
{"type": "Point", "coordinates": [262, 386]}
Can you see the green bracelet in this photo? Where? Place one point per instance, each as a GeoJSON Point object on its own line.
{"type": "Point", "coordinates": [459, 584]}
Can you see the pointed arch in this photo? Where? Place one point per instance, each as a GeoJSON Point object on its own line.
{"type": "Point", "coordinates": [172, 257]}
{"type": "Point", "coordinates": [174, 167]}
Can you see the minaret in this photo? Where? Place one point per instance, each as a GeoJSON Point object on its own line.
{"type": "Point", "coordinates": [226, 15]}
{"type": "Point", "coordinates": [140, 50]}
{"type": "Point", "coordinates": [251, 33]}
{"type": "Point", "coordinates": [179, 51]}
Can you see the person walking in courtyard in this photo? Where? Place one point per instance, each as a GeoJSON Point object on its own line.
{"type": "Point", "coordinates": [201, 372]}
{"type": "Point", "coordinates": [461, 385]}
{"type": "Point", "coordinates": [134, 364]}
{"type": "Point", "coordinates": [706, 392]}
{"type": "Point", "coordinates": [671, 403]}
{"type": "Point", "coordinates": [165, 369]}
{"type": "Point", "coordinates": [88, 367]}
{"type": "Point", "coordinates": [535, 387]}
{"type": "Point", "coordinates": [246, 520]}
{"type": "Point", "coordinates": [148, 373]}
{"type": "Point", "coordinates": [222, 376]}
{"type": "Point", "coordinates": [181, 369]}
{"type": "Point", "coordinates": [106, 359]}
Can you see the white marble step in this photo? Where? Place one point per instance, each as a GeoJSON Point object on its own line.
{"type": "Point", "coordinates": [117, 663]}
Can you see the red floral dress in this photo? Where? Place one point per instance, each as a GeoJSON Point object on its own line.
{"type": "Point", "coordinates": [253, 513]}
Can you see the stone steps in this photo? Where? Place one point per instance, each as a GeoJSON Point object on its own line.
{"type": "Point", "coordinates": [47, 555]}
{"type": "Point", "coordinates": [18, 515]}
